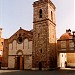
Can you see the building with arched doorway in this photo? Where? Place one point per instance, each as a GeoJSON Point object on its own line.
{"type": "Point", "coordinates": [34, 49]}
{"type": "Point", "coordinates": [19, 53]}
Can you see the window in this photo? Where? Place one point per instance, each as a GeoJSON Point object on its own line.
{"type": "Point", "coordinates": [19, 34]}
{"type": "Point", "coordinates": [20, 40]}
{"type": "Point", "coordinates": [63, 44]}
{"type": "Point", "coordinates": [40, 13]}
{"type": "Point", "coordinates": [38, 35]}
{"type": "Point", "coordinates": [74, 33]}
{"type": "Point", "coordinates": [71, 44]}
{"type": "Point", "coordinates": [62, 55]}
{"type": "Point", "coordinates": [0, 52]}
{"type": "Point", "coordinates": [2, 43]}
{"type": "Point", "coordinates": [40, 50]}
{"type": "Point", "coordinates": [28, 44]}
{"type": "Point", "coordinates": [51, 15]}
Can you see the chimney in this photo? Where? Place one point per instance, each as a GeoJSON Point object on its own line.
{"type": "Point", "coordinates": [68, 31]}
{"type": "Point", "coordinates": [0, 32]}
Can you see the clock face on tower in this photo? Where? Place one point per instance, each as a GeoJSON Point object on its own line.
{"type": "Point", "coordinates": [20, 40]}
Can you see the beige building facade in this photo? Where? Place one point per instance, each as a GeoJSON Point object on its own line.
{"type": "Point", "coordinates": [20, 50]}
{"type": "Point", "coordinates": [1, 46]}
{"type": "Point", "coordinates": [66, 50]}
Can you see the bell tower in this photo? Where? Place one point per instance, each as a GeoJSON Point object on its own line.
{"type": "Point", "coordinates": [44, 35]}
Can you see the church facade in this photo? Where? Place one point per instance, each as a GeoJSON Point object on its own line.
{"type": "Point", "coordinates": [34, 49]}
{"type": "Point", "coordinates": [19, 53]}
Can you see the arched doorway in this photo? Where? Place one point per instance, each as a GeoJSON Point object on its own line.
{"type": "Point", "coordinates": [19, 62]}
{"type": "Point", "coordinates": [62, 60]}
{"type": "Point", "coordinates": [40, 65]}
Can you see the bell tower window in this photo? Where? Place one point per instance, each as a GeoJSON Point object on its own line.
{"type": "Point", "coordinates": [51, 15]}
{"type": "Point", "coordinates": [40, 13]}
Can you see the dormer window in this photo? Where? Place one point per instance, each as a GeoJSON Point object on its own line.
{"type": "Point", "coordinates": [40, 13]}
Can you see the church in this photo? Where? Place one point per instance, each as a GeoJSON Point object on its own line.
{"type": "Point", "coordinates": [19, 52]}
{"type": "Point", "coordinates": [35, 49]}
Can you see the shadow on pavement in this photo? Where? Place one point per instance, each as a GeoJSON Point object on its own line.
{"type": "Point", "coordinates": [23, 72]}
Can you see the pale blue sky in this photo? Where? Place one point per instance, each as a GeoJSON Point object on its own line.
{"type": "Point", "coordinates": [19, 13]}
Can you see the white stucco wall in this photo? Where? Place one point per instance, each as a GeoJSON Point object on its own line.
{"type": "Point", "coordinates": [11, 60]}
{"type": "Point", "coordinates": [26, 47]}
{"type": "Point", "coordinates": [20, 46]}
{"type": "Point", "coordinates": [14, 45]}
{"type": "Point", "coordinates": [62, 59]}
{"type": "Point", "coordinates": [10, 46]}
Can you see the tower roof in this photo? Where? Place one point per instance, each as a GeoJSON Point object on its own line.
{"type": "Point", "coordinates": [43, 1]}
{"type": "Point", "coordinates": [66, 35]}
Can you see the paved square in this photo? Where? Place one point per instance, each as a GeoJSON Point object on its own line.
{"type": "Point", "coordinates": [53, 72]}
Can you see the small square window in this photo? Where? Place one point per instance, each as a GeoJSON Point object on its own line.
{"type": "Point", "coordinates": [40, 50]}
{"type": "Point", "coordinates": [2, 43]}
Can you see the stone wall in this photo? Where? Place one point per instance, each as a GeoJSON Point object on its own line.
{"type": "Point", "coordinates": [44, 36]}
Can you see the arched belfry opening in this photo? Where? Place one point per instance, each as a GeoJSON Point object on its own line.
{"type": "Point", "coordinates": [51, 15]}
{"type": "Point", "coordinates": [40, 13]}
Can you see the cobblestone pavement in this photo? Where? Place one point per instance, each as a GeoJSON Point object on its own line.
{"type": "Point", "coordinates": [52, 72]}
